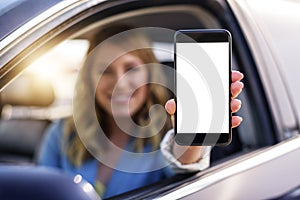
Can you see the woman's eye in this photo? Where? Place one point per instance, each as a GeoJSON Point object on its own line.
{"type": "Point", "coordinates": [133, 69]}
{"type": "Point", "coordinates": [105, 71]}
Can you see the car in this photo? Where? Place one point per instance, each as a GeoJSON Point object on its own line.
{"type": "Point", "coordinates": [42, 49]}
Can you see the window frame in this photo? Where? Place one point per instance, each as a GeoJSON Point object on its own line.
{"type": "Point", "coordinates": [76, 16]}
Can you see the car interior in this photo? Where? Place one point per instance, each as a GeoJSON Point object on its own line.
{"type": "Point", "coordinates": [32, 101]}
{"type": "Point", "coordinates": [21, 133]}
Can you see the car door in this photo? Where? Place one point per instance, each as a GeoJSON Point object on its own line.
{"type": "Point", "coordinates": [262, 126]}
{"type": "Point", "coordinates": [269, 173]}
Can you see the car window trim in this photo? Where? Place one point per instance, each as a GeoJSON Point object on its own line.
{"type": "Point", "coordinates": [234, 167]}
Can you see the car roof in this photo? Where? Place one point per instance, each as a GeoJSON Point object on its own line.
{"type": "Point", "coordinates": [21, 11]}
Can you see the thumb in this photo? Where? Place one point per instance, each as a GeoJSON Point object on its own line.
{"type": "Point", "coordinates": [170, 107]}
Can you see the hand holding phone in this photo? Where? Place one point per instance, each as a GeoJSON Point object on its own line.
{"type": "Point", "coordinates": [202, 86]}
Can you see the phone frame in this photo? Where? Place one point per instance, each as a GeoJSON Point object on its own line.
{"type": "Point", "coordinates": [203, 35]}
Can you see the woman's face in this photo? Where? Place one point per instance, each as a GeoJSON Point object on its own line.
{"type": "Point", "coordinates": [121, 90]}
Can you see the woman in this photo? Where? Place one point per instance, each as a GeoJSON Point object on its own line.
{"type": "Point", "coordinates": [114, 137]}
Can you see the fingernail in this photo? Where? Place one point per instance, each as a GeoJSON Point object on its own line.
{"type": "Point", "coordinates": [241, 74]}
{"type": "Point", "coordinates": [239, 101]}
{"type": "Point", "coordinates": [237, 85]}
{"type": "Point", "coordinates": [242, 84]}
{"type": "Point", "coordinates": [240, 118]}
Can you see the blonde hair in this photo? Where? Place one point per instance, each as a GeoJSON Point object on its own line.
{"type": "Point", "coordinates": [157, 94]}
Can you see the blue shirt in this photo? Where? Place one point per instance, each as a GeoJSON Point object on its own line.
{"type": "Point", "coordinates": [52, 155]}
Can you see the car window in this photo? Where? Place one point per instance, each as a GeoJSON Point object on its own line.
{"type": "Point", "coordinates": [58, 71]}
{"type": "Point", "coordinates": [40, 95]}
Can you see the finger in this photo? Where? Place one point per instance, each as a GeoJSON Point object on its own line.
{"type": "Point", "coordinates": [172, 120]}
{"type": "Point", "coordinates": [236, 121]}
{"type": "Point", "coordinates": [236, 88]}
{"type": "Point", "coordinates": [170, 106]}
{"type": "Point", "coordinates": [236, 76]}
{"type": "Point", "coordinates": [235, 105]}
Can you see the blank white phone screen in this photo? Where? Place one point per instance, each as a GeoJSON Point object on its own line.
{"type": "Point", "coordinates": [202, 87]}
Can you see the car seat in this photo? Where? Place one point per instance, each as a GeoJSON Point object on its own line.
{"type": "Point", "coordinates": [23, 118]}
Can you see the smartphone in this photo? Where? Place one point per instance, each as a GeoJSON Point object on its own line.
{"type": "Point", "coordinates": [202, 87]}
